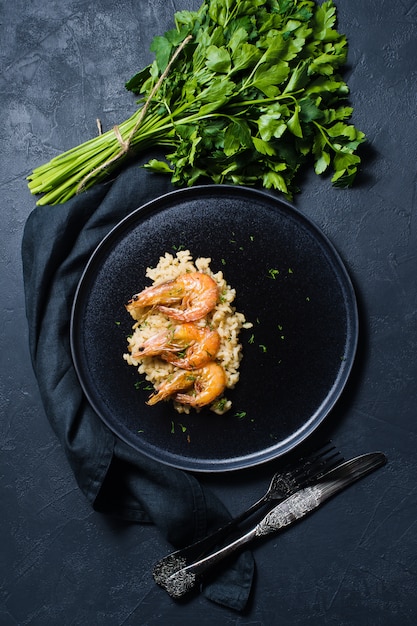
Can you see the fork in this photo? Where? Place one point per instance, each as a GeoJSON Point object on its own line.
{"type": "Point", "coordinates": [307, 470]}
{"type": "Point", "coordinates": [283, 514]}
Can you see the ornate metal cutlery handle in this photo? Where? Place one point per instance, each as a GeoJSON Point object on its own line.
{"type": "Point", "coordinates": [292, 509]}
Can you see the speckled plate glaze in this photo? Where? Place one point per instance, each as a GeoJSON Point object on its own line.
{"type": "Point", "coordinates": [290, 283]}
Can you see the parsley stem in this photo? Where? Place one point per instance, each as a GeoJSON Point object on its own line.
{"type": "Point", "coordinates": [326, 138]}
{"type": "Point", "coordinates": [254, 92]}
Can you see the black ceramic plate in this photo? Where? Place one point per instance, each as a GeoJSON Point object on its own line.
{"type": "Point", "coordinates": [290, 283]}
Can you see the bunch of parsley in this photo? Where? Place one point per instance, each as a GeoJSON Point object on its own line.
{"type": "Point", "coordinates": [241, 92]}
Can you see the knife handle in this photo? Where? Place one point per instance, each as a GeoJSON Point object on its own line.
{"type": "Point", "coordinates": [182, 581]}
{"type": "Point", "coordinates": [284, 514]}
{"type": "Point", "coordinates": [292, 509]}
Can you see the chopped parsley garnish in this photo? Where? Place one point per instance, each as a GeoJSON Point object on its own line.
{"type": "Point", "coordinates": [273, 273]}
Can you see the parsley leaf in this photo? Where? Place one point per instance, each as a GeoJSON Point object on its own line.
{"type": "Point", "coordinates": [240, 92]}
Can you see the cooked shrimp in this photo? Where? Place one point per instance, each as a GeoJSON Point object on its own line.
{"type": "Point", "coordinates": [207, 383]}
{"type": "Point", "coordinates": [195, 293]}
{"type": "Point", "coordinates": [180, 380]}
{"type": "Point", "coordinates": [187, 346]}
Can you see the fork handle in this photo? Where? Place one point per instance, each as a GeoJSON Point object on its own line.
{"type": "Point", "coordinates": [183, 580]}
{"type": "Point", "coordinates": [168, 565]}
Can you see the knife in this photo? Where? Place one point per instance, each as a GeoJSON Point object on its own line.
{"type": "Point", "coordinates": [284, 514]}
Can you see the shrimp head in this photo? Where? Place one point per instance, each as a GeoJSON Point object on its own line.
{"type": "Point", "coordinates": [187, 346]}
{"type": "Point", "coordinates": [203, 386]}
{"type": "Point", "coordinates": [180, 380]}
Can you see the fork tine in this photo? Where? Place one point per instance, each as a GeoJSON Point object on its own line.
{"type": "Point", "coordinates": [296, 475]}
{"type": "Point", "coordinates": [302, 463]}
{"type": "Point", "coordinates": [318, 468]}
{"type": "Point", "coordinates": [313, 465]}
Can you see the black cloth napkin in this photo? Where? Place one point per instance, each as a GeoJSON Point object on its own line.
{"type": "Point", "coordinates": [57, 243]}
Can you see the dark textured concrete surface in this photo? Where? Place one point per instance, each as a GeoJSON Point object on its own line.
{"type": "Point", "coordinates": [354, 562]}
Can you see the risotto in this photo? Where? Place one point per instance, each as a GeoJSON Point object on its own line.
{"type": "Point", "coordinates": [223, 318]}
